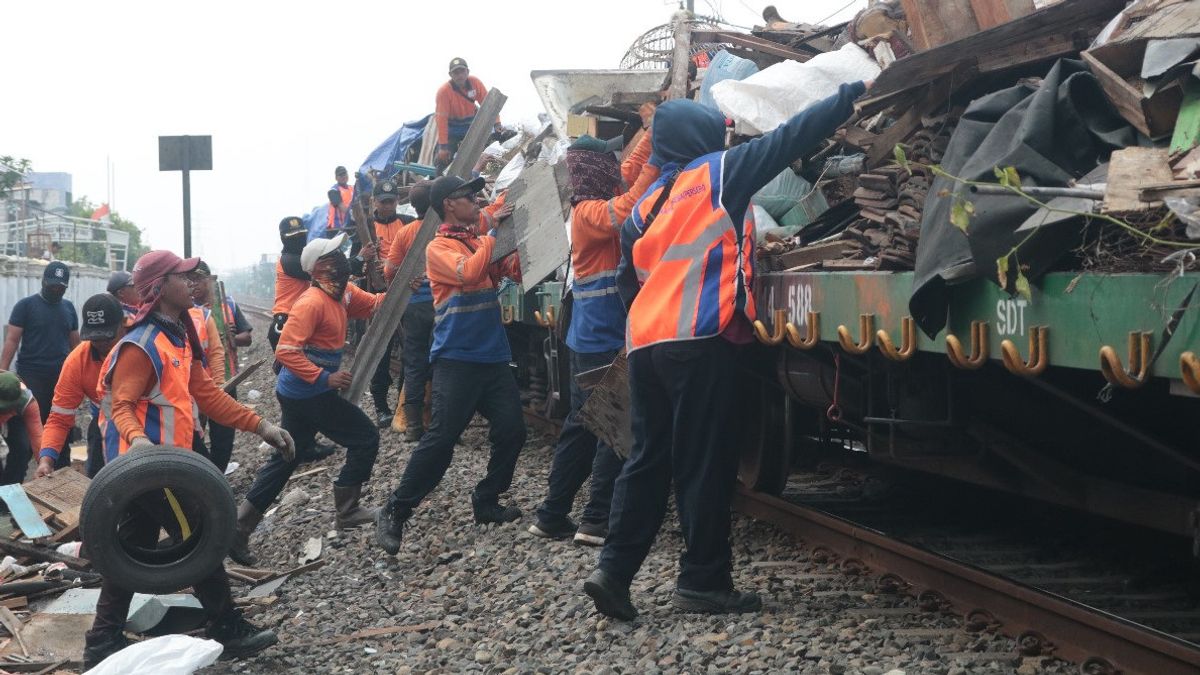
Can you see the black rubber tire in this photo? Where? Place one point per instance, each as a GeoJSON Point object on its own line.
{"type": "Point", "coordinates": [193, 480]}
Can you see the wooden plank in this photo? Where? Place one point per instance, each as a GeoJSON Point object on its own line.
{"type": "Point", "coordinates": [19, 602]}
{"type": "Point", "coordinates": [305, 474]}
{"type": "Point", "coordinates": [387, 319]}
{"type": "Point", "coordinates": [1130, 169]}
{"type": "Point", "coordinates": [61, 491]}
{"type": "Point", "coordinates": [22, 511]}
{"type": "Point", "coordinates": [806, 255]}
{"type": "Point", "coordinates": [1187, 125]}
{"type": "Point", "coordinates": [21, 550]}
{"type": "Point", "coordinates": [541, 199]}
{"type": "Point", "coordinates": [749, 42]}
{"type": "Point", "coordinates": [374, 632]}
{"type": "Point", "coordinates": [607, 411]}
{"type": "Point", "coordinates": [937, 22]}
{"type": "Point", "coordinates": [242, 375]}
{"type": "Point", "coordinates": [14, 625]}
{"type": "Point", "coordinates": [991, 13]}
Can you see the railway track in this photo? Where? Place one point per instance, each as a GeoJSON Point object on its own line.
{"type": "Point", "coordinates": [1076, 592]}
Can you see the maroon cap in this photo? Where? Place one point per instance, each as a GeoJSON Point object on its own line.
{"type": "Point", "coordinates": [149, 269]}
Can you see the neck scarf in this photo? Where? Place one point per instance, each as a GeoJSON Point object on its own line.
{"type": "Point", "coordinates": [331, 274]}
{"type": "Point", "coordinates": [594, 175]}
{"type": "Point", "coordinates": [460, 232]}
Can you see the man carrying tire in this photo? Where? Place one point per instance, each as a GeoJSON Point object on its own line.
{"type": "Point", "coordinates": [310, 350]}
{"type": "Point", "coordinates": [151, 385]}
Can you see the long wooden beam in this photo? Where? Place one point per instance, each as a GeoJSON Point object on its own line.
{"type": "Point", "coordinates": [384, 325]}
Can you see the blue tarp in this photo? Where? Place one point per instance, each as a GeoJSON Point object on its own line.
{"type": "Point", "coordinates": [316, 221]}
{"type": "Point", "coordinates": [392, 150]}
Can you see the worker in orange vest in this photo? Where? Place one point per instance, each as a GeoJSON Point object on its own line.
{"type": "Point", "coordinates": [341, 199]}
{"type": "Point", "coordinates": [454, 109]}
{"type": "Point", "coordinates": [686, 273]}
{"type": "Point", "coordinates": [152, 386]}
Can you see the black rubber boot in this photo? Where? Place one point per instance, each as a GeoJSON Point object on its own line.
{"type": "Point", "coordinates": [349, 514]}
{"type": "Point", "coordinates": [239, 636]}
{"type": "Point", "coordinates": [248, 518]}
{"type": "Point", "coordinates": [492, 512]}
{"type": "Point", "coordinates": [716, 602]}
{"type": "Point", "coordinates": [611, 597]}
{"type": "Point", "coordinates": [98, 648]}
{"type": "Point", "coordinates": [389, 528]}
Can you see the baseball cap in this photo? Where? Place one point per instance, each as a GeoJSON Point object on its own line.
{"type": "Point", "coordinates": [386, 189]}
{"type": "Point", "coordinates": [443, 187]}
{"type": "Point", "coordinates": [341, 171]}
{"type": "Point", "coordinates": [13, 394]}
{"type": "Point", "coordinates": [319, 248]}
{"type": "Point", "coordinates": [119, 280]}
{"type": "Point", "coordinates": [458, 62]}
{"type": "Point", "coordinates": [102, 316]}
{"type": "Point", "coordinates": [158, 264]}
{"type": "Point", "coordinates": [291, 226]}
{"type": "Point", "coordinates": [56, 273]}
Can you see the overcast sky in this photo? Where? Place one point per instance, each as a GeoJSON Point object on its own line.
{"type": "Point", "coordinates": [287, 90]}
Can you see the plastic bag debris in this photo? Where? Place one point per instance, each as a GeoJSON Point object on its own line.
{"type": "Point", "coordinates": [724, 66]}
{"type": "Point", "coordinates": [771, 97]}
{"type": "Point", "coordinates": [1187, 210]}
{"type": "Point", "coordinates": [782, 193]}
{"type": "Point", "coordinates": [166, 655]}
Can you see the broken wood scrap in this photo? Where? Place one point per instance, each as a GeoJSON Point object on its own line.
{"type": "Point", "coordinates": [374, 632]}
{"type": "Point", "coordinates": [1128, 170]}
{"type": "Point", "coordinates": [22, 550]}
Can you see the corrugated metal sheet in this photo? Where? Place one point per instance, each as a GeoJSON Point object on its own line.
{"type": "Point", "coordinates": [22, 277]}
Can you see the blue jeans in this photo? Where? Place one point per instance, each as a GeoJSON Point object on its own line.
{"type": "Point", "coordinates": [686, 419]}
{"type": "Point", "coordinates": [578, 454]}
{"type": "Point", "coordinates": [461, 388]}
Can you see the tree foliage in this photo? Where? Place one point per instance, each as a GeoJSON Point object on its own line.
{"type": "Point", "coordinates": [12, 172]}
{"type": "Point", "coordinates": [92, 253]}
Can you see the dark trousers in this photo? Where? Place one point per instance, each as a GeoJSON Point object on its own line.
{"type": "Point", "coordinates": [95, 445]}
{"type": "Point", "coordinates": [328, 413]}
{"type": "Point", "coordinates": [41, 385]}
{"type": "Point", "coordinates": [684, 428]}
{"type": "Point", "coordinates": [16, 464]}
{"type": "Point", "coordinates": [417, 323]}
{"type": "Point", "coordinates": [220, 441]}
{"type": "Point", "coordinates": [578, 454]}
{"type": "Point", "coordinates": [141, 527]}
{"type": "Point", "coordinates": [460, 389]}
{"type": "Point", "coordinates": [381, 381]}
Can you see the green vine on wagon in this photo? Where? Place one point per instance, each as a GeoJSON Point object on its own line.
{"type": "Point", "coordinates": [962, 209]}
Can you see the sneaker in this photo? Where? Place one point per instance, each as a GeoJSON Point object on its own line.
{"type": "Point", "coordinates": [389, 529]}
{"type": "Point", "coordinates": [494, 513]}
{"type": "Point", "coordinates": [591, 534]}
{"type": "Point", "coordinates": [239, 636]}
{"type": "Point", "coordinates": [716, 602]}
{"type": "Point", "coordinates": [610, 596]}
{"type": "Point", "coordinates": [100, 647]}
{"type": "Point", "coordinates": [562, 529]}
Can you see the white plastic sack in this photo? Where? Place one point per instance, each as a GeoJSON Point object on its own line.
{"type": "Point", "coordinates": [509, 173]}
{"type": "Point", "coordinates": [166, 655]}
{"type": "Point", "coordinates": [771, 97]}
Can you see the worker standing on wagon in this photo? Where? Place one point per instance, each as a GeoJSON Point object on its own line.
{"type": "Point", "coordinates": [597, 329]}
{"type": "Point", "coordinates": [310, 350]}
{"type": "Point", "coordinates": [686, 272]}
{"type": "Point", "coordinates": [470, 356]}
{"type": "Point", "coordinates": [151, 385]}
{"type": "Point", "coordinates": [455, 106]}
{"type": "Point", "coordinates": [341, 199]}
{"type": "Point", "coordinates": [103, 324]}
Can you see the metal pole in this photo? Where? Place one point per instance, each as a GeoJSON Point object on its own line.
{"type": "Point", "coordinates": [187, 214]}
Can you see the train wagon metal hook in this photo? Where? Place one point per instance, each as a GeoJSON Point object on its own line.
{"type": "Point", "coordinates": [979, 348]}
{"type": "Point", "coordinates": [812, 333]}
{"type": "Point", "coordinates": [908, 341]}
{"type": "Point", "coordinates": [1189, 366]}
{"type": "Point", "coordinates": [866, 323]}
{"type": "Point", "coordinates": [1038, 357]}
{"type": "Point", "coordinates": [1139, 362]}
{"type": "Point", "coordinates": [507, 314]}
{"type": "Point", "coordinates": [546, 321]}
{"type": "Point", "coordinates": [772, 340]}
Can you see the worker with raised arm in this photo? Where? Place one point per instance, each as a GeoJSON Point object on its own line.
{"type": "Point", "coordinates": [686, 273]}
{"type": "Point", "coordinates": [597, 329]}
{"type": "Point", "coordinates": [470, 356]}
{"type": "Point", "coordinates": [454, 109]}
{"type": "Point", "coordinates": [102, 326]}
{"type": "Point", "coordinates": [308, 387]}
{"type": "Point", "coordinates": [151, 385]}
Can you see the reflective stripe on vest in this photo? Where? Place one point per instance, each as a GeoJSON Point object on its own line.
{"type": "Point", "coordinates": [694, 269]}
{"type": "Point", "coordinates": [167, 413]}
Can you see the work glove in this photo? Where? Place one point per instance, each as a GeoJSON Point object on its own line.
{"type": "Point", "coordinates": [278, 438]}
{"type": "Point", "coordinates": [141, 442]}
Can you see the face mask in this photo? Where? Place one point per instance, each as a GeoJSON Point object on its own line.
{"type": "Point", "coordinates": [53, 293]}
{"type": "Point", "coordinates": [331, 274]}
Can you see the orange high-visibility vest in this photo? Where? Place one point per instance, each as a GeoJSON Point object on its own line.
{"type": "Point", "coordinates": [694, 268]}
{"type": "Point", "coordinates": [347, 193]}
{"type": "Point", "coordinates": [168, 413]}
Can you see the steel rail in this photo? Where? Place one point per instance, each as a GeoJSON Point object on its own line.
{"type": "Point", "coordinates": [1100, 642]}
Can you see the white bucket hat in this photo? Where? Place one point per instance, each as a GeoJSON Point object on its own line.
{"type": "Point", "coordinates": [318, 248]}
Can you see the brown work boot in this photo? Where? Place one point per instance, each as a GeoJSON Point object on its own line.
{"type": "Point", "coordinates": [248, 518]}
{"type": "Point", "coordinates": [349, 513]}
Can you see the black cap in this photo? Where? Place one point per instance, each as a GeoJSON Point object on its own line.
{"type": "Point", "coordinates": [386, 189]}
{"type": "Point", "coordinates": [456, 63]}
{"type": "Point", "coordinates": [119, 280]}
{"type": "Point", "coordinates": [291, 226]}
{"type": "Point", "coordinates": [102, 316]}
{"type": "Point", "coordinates": [418, 196]}
{"type": "Point", "coordinates": [203, 268]}
{"type": "Point", "coordinates": [340, 171]}
{"type": "Point", "coordinates": [57, 273]}
{"type": "Point", "coordinates": [441, 188]}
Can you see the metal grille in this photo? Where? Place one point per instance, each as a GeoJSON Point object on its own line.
{"type": "Point", "coordinates": [654, 48]}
